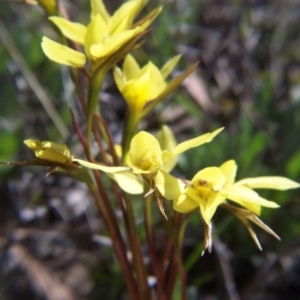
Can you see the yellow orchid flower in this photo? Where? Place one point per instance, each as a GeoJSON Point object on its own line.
{"type": "Point", "coordinates": [146, 158]}
{"type": "Point", "coordinates": [50, 151]}
{"type": "Point", "coordinates": [141, 85]}
{"type": "Point", "coordinates": [103, 36]}
{"type": "Point", "coordinates": [211, 186]}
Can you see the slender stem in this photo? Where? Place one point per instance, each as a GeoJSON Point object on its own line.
{"type": "Point", "coordinates": [105, 209]}
{"type": "Point", "coordinates": [106, 162]}
{"type": "Point", "coordinates": [168, 245]}
{"type": "Point", "coordinates": [110, 141]}
{"type": "Point", "coordinates": [117, 240]}
{"type": "Point", "coordinates": [153, 254]}
{"type": "Point", "coordinates": [172, 227]}
{"type": "Point", "coordinates": [131, 228]}
{"type": "Point", "coordinates": [130, 129]}
{"type": "Point", "coordinates": [137, 253]}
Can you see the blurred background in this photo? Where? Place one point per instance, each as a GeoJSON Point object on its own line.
{"type": "Point", "coordinates": [52, 241]}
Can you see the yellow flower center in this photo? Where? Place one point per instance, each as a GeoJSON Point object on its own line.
{"type": "Point", "coordinates": [206, 185]}
{"type": "Point", "coordinates": [148, 164]}
{"type": "Point", "coordinates": [204, 189]}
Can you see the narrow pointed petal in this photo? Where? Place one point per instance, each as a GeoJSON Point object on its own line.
{"type": "Point", "coordinates": [156, 84]}
{"type": "Point", "coordinates": [130, 67]}
{"type": "Point", "coordinates": [50, 151]}
{"type": "Point", "coordinates": [169, 66]}
{"type": "Point", "coordinates": [96, 30]}
{"type": "Point", "coordinates": [62, 54]}
{"type": "Point", "coordinates": [184, 204]}
{"type": "Point", "coordinates": [112, 43]}
{"type": "Point", "coordinates": [50, 6]}
{"type": "Point", "coordinates": [255, 208]}
{"type": "Point", "coordinates": [73, 31]}
{"type": "Point", "coordinates": [98, 7]}
{"type": "Point", "coordinates": [119, 78]}
{"type": "Point", "coordinates": [94, 166]}
{"type": "Point", "coordinates": [168, 142]}
{"type": "Point", "coordinates": [205, 138]}
{"type": "Point", "coordinates": [208, 208]}
{"type": "Point", "coordinates": [124, 16]}
{"type": "Point", "coordinates": [262, 225]}
{"type": "Point", "coordinates": [229, 169]}
{"type": "Point", "coordinates": [269, 182]}
{"type": "Point", "coordinates": [241, 193]}
{"type": "Point", "coordinates": [252, 234]}
{"type": "Point", "coordinates": [128, 182]}
{"type": "Point", "coordinates": [175, 82]}
{"type": "Point", "coordinates": [169, 186]}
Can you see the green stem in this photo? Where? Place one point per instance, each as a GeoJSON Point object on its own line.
{"type": "Point", "coordinates": [129, 131]}
{"type": "Point", "coordinates": [93, 99]}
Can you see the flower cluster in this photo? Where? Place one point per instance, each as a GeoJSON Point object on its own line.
{"type": "Point", "coordinates": [101, 38]}
{"type": "Point", "coordinates": [146, 160]}
{"type": "Point", "coordinates": [208, 189]}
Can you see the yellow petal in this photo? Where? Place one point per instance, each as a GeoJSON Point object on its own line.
{"type": "Point", "coordinates": [269, 182]}
{"type": "Point", "coordinates": [119, 78]}
{"type": "Point", "coordinates": [229, 169]}
{"type": "Point", "coordinates": [135, 91]}
{"type": "Point", "coordinates": [145, 86]}
{"type": "Point", "coordinates": [144, 153]}
{"type": "Point", "coordinates": [210, 179]}
{"type": "Point", "coordinates": [208, 208]}
{"type": "Point", "coordinates": [118, 149]}
{"type": "Point", "coordinates": [240, 193]}
{"type": "Point", "coordinates": [112, 43]}
{"type": "Point", "coordinates": [73, 31]}
{"type": "Point", "coordinates": [105, 169]}
{"type": "Point", "coordinates": [62, 54]}
{"type": "Point", "coordinates": [169, 66]}
{"type": "Point", "coordinates": [124, 16]}
{"type": "Point", "coordinates": [34, 145]}
{"type": "Point", "coordinates": [49, 154]}
{"type": "Point", "coordinates": [204, 190]}
{"type": "Point", "coordinates": [96, 31]}
{"type": "Point", "coordinates": [167, 141]}
{"type": "Point", "coordinates": [99, 8]}
{"type": "Point", "coordinates": [50, 151]}
{"type": "Point", "coordinates": [157, 83]}
{"type": "Point", "coordinates": [59, 148]}
{"type": "Point", "coordinates": [130, 67]}
{"type": "Point", "coordinates": [184, 204]}
{"type": "Point", "coordinates": [169, 186]}
{"type": "Point", "coordinates": [256, 208]}
{"type": "Point", "coordinates": [50, 6]}
{"type": "Point", "coordinates": [128, 182]}
{"type": "Point", "coordinates": [205, 138]}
